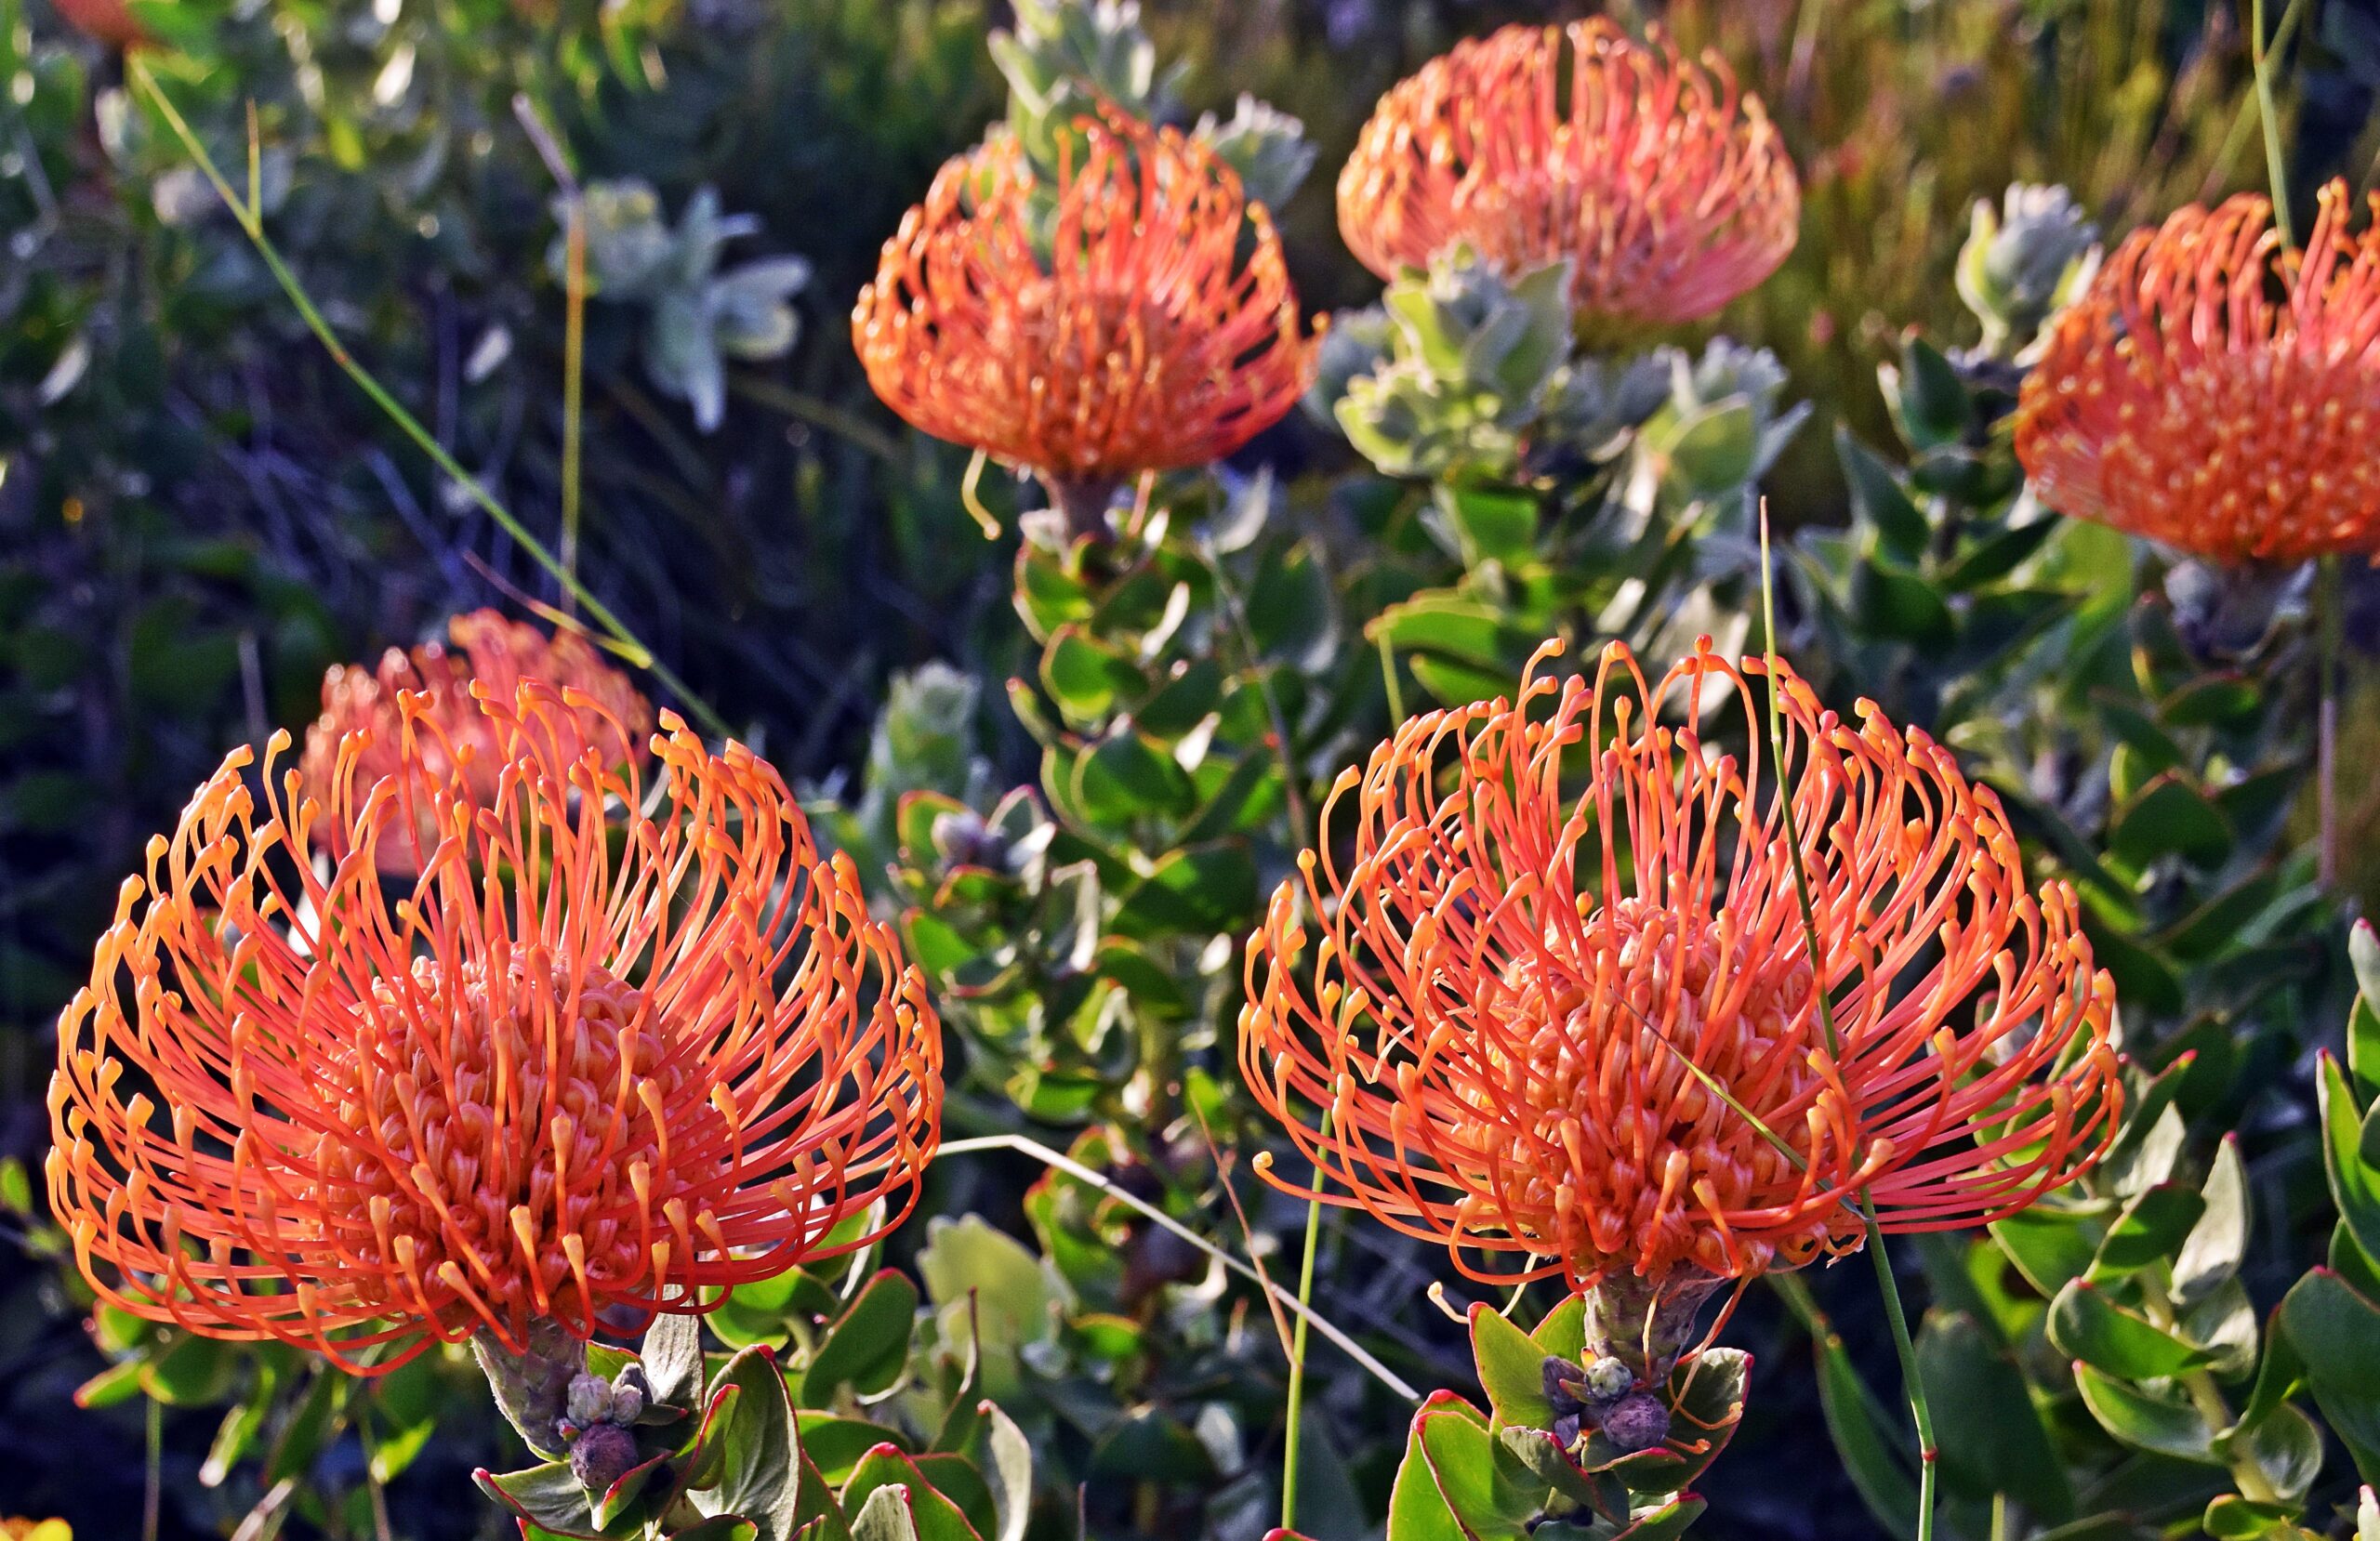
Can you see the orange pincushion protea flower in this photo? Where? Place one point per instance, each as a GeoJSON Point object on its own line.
{"type": "Point", "coordinates": [2217, 390]}
{"type": "Point", "coordinates": [1512, 978]}
{"type": "Point", "coordinates": [1666, 188]}
{"type": "Point", "coordinates": [597, 1063]}
{"type": "Point", "coordinates": [1139, 342]}
{"type": "Point", "coordinates": [498, 653]}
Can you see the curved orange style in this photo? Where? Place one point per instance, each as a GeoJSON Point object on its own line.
{"type": "Point", "coordinates": [496, 652]}
{"type": "Point", "coordinates": [2217, 390]}
{"type": "Point", "coordinates": [1089, 329]}
{"type": "Point", "coordinates": [1666, 188]}
{"type": "Point", "coordinates": [594, 1062]}
{"type": "Point", "coordinates": [1564, 961]}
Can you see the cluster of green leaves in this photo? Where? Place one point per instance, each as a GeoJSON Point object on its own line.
{"type": "Point", "coordinates": [743, 1447]}
{"type": "Point", "coordinates": [1084, 932]}
{"type": "Point", "coordinates": [1502, 1474]}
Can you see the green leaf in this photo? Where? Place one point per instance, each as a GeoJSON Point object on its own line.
{"type": "Point", "coordinates": [672, 1356]}
{"type": "Point", "coordinates": [1713, 448]}
{"type": "Point", "coordinates": [2350, 1156]}
{"type": "Point", "coordinates": [1895, 603]}
{"type": "Point", "coordinates": [2210, 1254]}
{"type": "Point", "coordinates": [1512, 1370]}
{"type": "Point", "coordinates": [1011, 1468]}
{"type": "Point", "coordinates": [1992, 1437]}
{"type": "Point", "coordinates": [1535, 1449]}
{"type": "Point", "coordinates": [885, 1517]}
{"type": "Point", "coordinates": [193, 1372]}
{"type": "Point", "coordinates": [724, 1527]}
{"type": "Point", "coordinates": [2051, 1247]}
{"type": "Point", "coordinates": [2232, 1517]}
{"type": "Point", "coordinates": [2336, 1334]}
{"type": "Point", "coordinates": [548, 1497]}
{"type": "Point", "coordinates": [1086, 676]}
{"type": "Point", "coordinates": [1462, 1458]}
{"type": "Point", "coordinates": [1497, 524]}
{"type": "Point", "coordinates": [932, 1514]}
{"type": "Point", "coordinates": [1665, 1524]}
{"type": "Point", "coordinates": [1149, 1444]}
{"type": "Point", "coordinates": [1199, 889]}
{"type": "Point", "coordinates": [2087, 1325]}
{"type": "Point", "coordinates": [2363, 1020]}
{"type": "Point", "coordinates": [2151, 1228]}
{"type": "Point", "coordinates": [836, 1444]}
{"type": "Point", "coordinates": [1933, 399]}
{"type": "Point", "coordinates": [2287, 1446]}
{"type": "Point", "coordinates": [1869, 1452]}
{"type": "Point", "coordinates": [1418, 1509]}
{"type": "Point", "coordinates": [1564, 1332]}
{"type": "Point", "coordinates": [1876, 496]}
{"type": "Point", "coordinates": [2160, 1423]}
{"type": "Point", "coordinates": [956, 1479]}
{"type": "Point", "coordinates": [758, 1474]}
{"type": "Point", "coordinates": [2170, 817]}
{"type": "Point", "coordinates": [868, 1347]}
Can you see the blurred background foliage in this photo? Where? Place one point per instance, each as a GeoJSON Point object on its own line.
{"type": "Point", "coordinates": [1077, 779]}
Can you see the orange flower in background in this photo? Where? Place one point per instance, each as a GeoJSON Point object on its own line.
{"type": "Point", "coordinates": [2217, 390]}
{"type": "Point", "coordinates": [497, 652]}
{"type": "Point", "coordinates": [1666, 188]}
{"type": "Point", "coordinates": [1133, 338]}
{"type": "Point", "coordinates": [596, 1063]}
{"type": "Point", "coordinates": [1517, 986]}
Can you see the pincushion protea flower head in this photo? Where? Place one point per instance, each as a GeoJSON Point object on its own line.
{"type": "Point", "coordinates": [596, 1063]}
{"type": "Point", "coordinates": [498, 653]}
{"type": "Point", "coordinates": [1666, 188]}
{"type": "Point", "coordinates": [1134, 337]}
{"type": "Point", "coordinates": [2217, 390]}
{"type": "Point", "coordinates": [1527, 1000]}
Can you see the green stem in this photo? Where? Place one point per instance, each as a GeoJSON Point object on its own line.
{"type": "Point", "coordinates": [1073, 1168]}
{"type": "Point", "coordinates": [1296, 1409]}
{"type": "Point", "coordinates": [153, 1492]}
{"type": "Point", "coordinates": [2207, 1398]}
{"type": "Point", "coordinates": [252, 226]}
{"type": "Point", "coordinates": [2275, 162]}
{"type": "Point", "coordinates": [2330, 628]}
{"type": "Point", "coordinates": [1920, 1409]}
{"type": "Point", "coordinates": [1388, 678]}
{"type": "Point", "coordinates": [574, 380]}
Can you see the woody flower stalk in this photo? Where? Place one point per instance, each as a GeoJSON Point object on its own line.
{"type": "Point", "coordinates": [1666, 188]}
{"type": "Point", "coordinates": [1568, 1024]}
{"type": "Point", "coordinates": [612, 1050]}
{"type": "Point", "coordinates": [1091, 329]}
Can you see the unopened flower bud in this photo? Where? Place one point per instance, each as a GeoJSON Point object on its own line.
{"type": "Point", "coordinates": [1607, 1379]}
{"type": "Point", "coordinates": [1636, 1421]}
{"type": "Point", "coordinates": [589, 1399]}
{"type": "Point", "coordinates": [601, 1455]}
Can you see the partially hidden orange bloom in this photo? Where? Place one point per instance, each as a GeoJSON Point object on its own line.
{"type": "Point", "coordinates": [486, 647]}
{"type": "Point", "coordinates": [1531, 988]}
{"type": "Point", "coordinates": [1667, 187]}
{"type": "Point", "coordinates": [1134, 338]}
{"type": "Point", "coordinates": [596, 1061]}
{"type": "Point", "coordinates": [2218, 390]}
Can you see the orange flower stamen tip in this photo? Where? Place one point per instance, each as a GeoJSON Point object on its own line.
{"type": "Point", "coordinates": [1578, 1021]}
{"type": "Point", "coordinates": [1142, 341]}
{"type": "Point", "coordinates": [1666, 188]}
{"type": "Point", "coordinates": [437, 696]}
{"type": "Point", "coordinates": [582, 1075]}
{"type": "Point", "coordinates": [2217, 390]}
